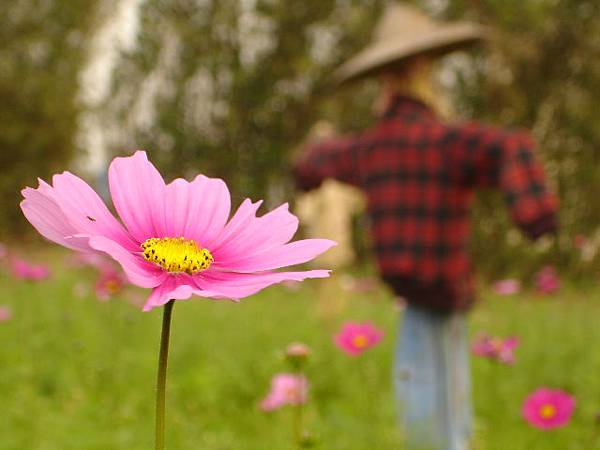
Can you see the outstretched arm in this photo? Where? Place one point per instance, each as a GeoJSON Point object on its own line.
{"type": "Point", "coordinates": [333, 158]}
{"type": "Point", "coordinates": [506, 159]}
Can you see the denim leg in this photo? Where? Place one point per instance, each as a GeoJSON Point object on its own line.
{"type": "Point", "coordinates": [432, 380]}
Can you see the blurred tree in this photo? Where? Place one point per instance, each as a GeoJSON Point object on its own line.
{"type": "Point", "coordinates": [230, 87]}
{"type": "Point", "coordinates": [41, 52]}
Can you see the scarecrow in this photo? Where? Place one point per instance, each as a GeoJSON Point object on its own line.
{"type": "Point", "coordinates": [419, 174]}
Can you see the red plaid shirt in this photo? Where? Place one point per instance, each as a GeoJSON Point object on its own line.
{"type": "Point", "coordinates": [419, 175]}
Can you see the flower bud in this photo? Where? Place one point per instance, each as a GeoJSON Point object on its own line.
{"type": "Point", "coordinates": [297, 353]}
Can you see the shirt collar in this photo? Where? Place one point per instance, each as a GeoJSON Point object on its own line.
{"type": "Point", "coordinates": [407, 107]}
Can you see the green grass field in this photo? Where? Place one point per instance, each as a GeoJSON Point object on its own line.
{"type": "Point", "coordinates": [79, 374]}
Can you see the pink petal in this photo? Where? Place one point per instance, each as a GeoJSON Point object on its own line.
{"type": "Point", "coordinates": [198, 210]}
{"type": "Point", "coordinates": [271, 403]}
{"type": "Point", "coordinates": [239, 285]}
{"type": "Point", "coordinates": [48, 219]}
{"type": "Point", "coordinates": [373, 334]}
{"type": "Point", "coordinates": [86, 211]}
{"type": "Point", "coordinates": [219, 285]}
{"type": "Point", "coordinates": [255, 234]}
{"type": "Point", "coordinates": [175, 287]}
{"type": "Point", "coordinates": [238, 223]}
{"type": "Point", "coordinates": [138, 193]}
{"type": "Point", "coordinates": [138, 271]}
{"type": "Point", "coordinates": [286, 388]}
{"type": "Point", "coordinates": [511, 343]}
{"type": "Point", "coordinates": [296, 252]}
{"type": "Point", "coordinates": [168, 290]}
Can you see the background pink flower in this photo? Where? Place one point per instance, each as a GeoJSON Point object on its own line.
{"type": "Point", "coordinates": [546, 408]}
{"type": "Point", "coordinates": [24, 270]}
{"type": "Point", "coordinates": [509, 286]}
{"type": "Point", "coordinates": [178, 238]}
{"type": "Point", "coordinates": [5, 313]}
{"type": "Point", "coordinates": [354, 338]}
{"type": "Point", "coordinates": [496, 348]}
{"type": "Point", "coordinates": [286, 389]}
{"type": "Point", "coordinates": [547, 281]}
{"type": "Point", "coordinates": [110, 282]}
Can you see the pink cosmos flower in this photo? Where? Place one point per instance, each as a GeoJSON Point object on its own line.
{"type": "Point", "coordinates": [547, 281]}
{"type": "Point", "coordinates": [355, 338]}
{"type": "Point", "coordinates": [24, 270]}
{"type": "Point", "coordinates": [110, 283]}
{"type": "Point", "coordinates": [498, 349]}
{"type": "Point", "coordinates": [286, 389]}
{"type": "Point", "coordinates": [507, 287]}
{"type": "Point", "coordinates": [5, 313]}
{"type": "Point", "coordinates": [178, 238]}
{"type": "Point", "coordinates": [546, 408]}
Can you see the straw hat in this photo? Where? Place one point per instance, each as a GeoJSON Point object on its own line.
{"type": "Point", "coordinates": [404, 31]}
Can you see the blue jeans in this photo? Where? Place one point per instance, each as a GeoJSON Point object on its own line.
{"type": "Point", "coordinates": [432, 380]}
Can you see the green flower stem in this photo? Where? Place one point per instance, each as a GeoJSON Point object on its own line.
{"type": "Point", "coordinates": [298, 410]}
{"type": "Point", "coordinates": [161, 378]}
{"type": "Point", "coordinates": [298, 426]}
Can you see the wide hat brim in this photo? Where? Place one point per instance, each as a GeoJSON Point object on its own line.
{"type": "Point", "coordinates": [380, 55]}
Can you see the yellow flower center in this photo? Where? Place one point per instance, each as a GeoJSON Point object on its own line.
{"type": "Point", "coordinates": [548, 411]}
{"type": "Point", "coordinates": [177, 255]}
{"type": "Point", "coordinates": [497, 344]}
{"type": "Point", "coordinates": [292, 394]}
{"type": "Point", "coordinates": [360, 341]}
{"type": "Point", "coordinates": [112, 286]}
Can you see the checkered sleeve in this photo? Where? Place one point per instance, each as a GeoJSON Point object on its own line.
{"type": "Point", "coordinates": [334, 158]}
{"type": "Point", "coordinates": [506, 159]}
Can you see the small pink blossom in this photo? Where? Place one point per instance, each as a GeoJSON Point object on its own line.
{"type": "Point", "coordinates": [547, 281]}
{"type": "Point", "coordinates": [355, 338]}
{"type": "Point", "coordinates": [546, 408]}
{"type": "Point", "coordinates": [24, 270]}
{"type": "Point", "coordinates": [498, 349]}
{"type": "Point", "coordinates": [286, 389]}
{"type": "Point", "coordinates": [110, 283]}
{"type": "Point", "coordinates": [5, 313]}
{"type": "Point", "coordinates": [3, 250]}
{"type": "Point", "coordinates": [509, 286]}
